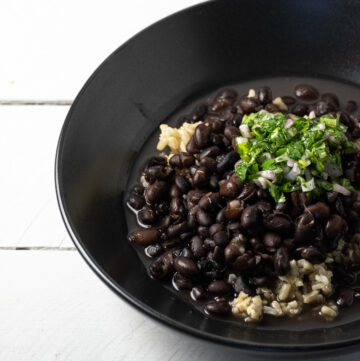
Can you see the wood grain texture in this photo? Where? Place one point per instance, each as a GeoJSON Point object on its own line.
{"type": "Point", "coordinates": [50, 48]}
{"type": "Point", "coordinates": [28, 206]}
{"type": "Point", "coordinates": [55, 308]}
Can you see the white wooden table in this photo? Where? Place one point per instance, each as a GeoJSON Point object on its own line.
{"type": "Point", "coordinates": [52, 306]}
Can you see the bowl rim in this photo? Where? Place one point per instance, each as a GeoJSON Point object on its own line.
{"type": "Point", "coordinates": [120, 291]}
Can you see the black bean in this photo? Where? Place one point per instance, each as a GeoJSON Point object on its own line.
{"type": "Point", "coordinates": [198, 293]}
{"type": "Point", "coordinates": [214, 228]}
{"type": "Point", "coordinates": [191, 146]}
{"type": "Point", "coordinates": [185, 237]}
{"type": "Point", "coordinates": [356, 206]}
{"type": "Point", "coordinates": [144, 236]}
{"type": "Point", "coordinates": [174, 230]}
{"type": "Point", "coordinates": [322, 107]}
{"type": "Point", "coordinates": [186, 266]}
{"type": "Point", "coordinates": [289, 243]}
{"type": "Point", "coordinates": [299, 109]}
{"type": "Point", "coordinates": [209, 200]}
{"type": "Point", "coordinates": [203, 218]}
{"type": "Point", "coordinates": [157, 160]}
{"type": "Point", "coordinates": [272, 241]}
{"type": "Point", "coordinates": [312, 254]}
{"type": "Point", "coordinates": [177, 207]}
{"type": "Point", "coordinates": [243, 263]}
{"type": "Point", "coordinates": [304, 228]}
{"type": "Point", "coordinates": [250, 105]}
{"type": "Point", "coordinates": [147, 216]}
{"type": "Point", "coordinates": [265, 95]}
{"type": "Point", "coordinates": [209, 244]}
{"type": "Point", "coordinates": [221, 238]}
{"type": "Point", "coordinates": [209, 163]}
{"type": "Point", "coordinates": [280, 223]}
{"type": "Point", "coordinates": [202, 135]}
{"type": "Point", "coordinates": [272, 108]}
{"type": "Point", "coordinates": [356, 133]}
{"type": "Point", "coordinates": [241, 286]}
{"type": "Point", "coordinates": [211, 152]}
{"type": "Point", "coordinates": [203, 231]}
{"type": "Point", "coordinates": [283, 207]}
{"type": "Point", "coordinates": [196, 245]}
{"type": "Point", "coordinates": [215, 124]}
{"type": "Point", "coordinates": [227, 162]}
{"type": "Point", "coordinates": [155, 172]}
{"type": "Point", "coordinates": [235, 248]}
{"type": "Point", "coordinates": [182, 183]}
{"type": "Point", "coordinates": [346, 120]}
{"type": "Point", "coordinates": [306, 92]}
{"type": "Point", "coordinates": [201, 177]}
{"type": "Point", "coordinates": [162, 209]}
{"type": "Point", "coordinates": [164, 223]}
{"type": "Point", "coordinates": [224, 99]}
{"type": "Point", "coordinates": [162, 266]}
{"type": "Point", "coordinates": [136, 201]}
{"type": "Point", "coordinates": [265, 207]}
{"type": "Point", "coordinates": [339, 207]}
{"type": "Point", "coordinates": [153, 250]}
{"type": "Point", "coordinates": [231, 132]}
{"type": "Point", "coordinates": [345, 297]}
{"type": "Point", "coordinates": [194, 196]}
{"type": "Point", "coordinates": [214, 183]}
{"type": "Point", "coordinates": [281, 261]}
{"type": "Point", "coordinates": [175, 192]}
{"type": "Point", "coordinates": [256, 244]}
{"type": "Point", "coordinates": [218, 308]}
{"type": "Point", "coordinates": [220, 217]}
{"type": "Point", "coordinates": [219, 287]}
{"type": "Point", "coordinates": [320, 211]}
{"type": "Point", "coordinates": [288, 100]}
{"type": "Point", "coordinates": [248, 192]}
{"type": "Point", "coordinates": [263, 194]}
{"type": "Point", "coordinates": [156, 192]}
{"type": "Point", "coordinates": [334, 226]}
{"type": "Point", "coordinates": [331, 197]}
{"type": "Point", "coordinates": [351, 106]}
{"type": "Point", "coordinates": [191, 221]}
{"type": "Point", "coordinates": [138, 189]}
{"type": "Point", "coordinates": [331, 98]}
{"type": "Point", "coordinates": [181, 282]}
{"type": "Point", "coordinates": [260, 281]}
{"type": "Point", "coordinates": [251, 217]}
{"type": "Point", "coordinates": [228, 189]}
{"type": "Point", "coordinates": [199, 112]}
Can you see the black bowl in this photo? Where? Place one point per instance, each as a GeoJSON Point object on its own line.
{"type": "Point", "coordinates": [147, 79]}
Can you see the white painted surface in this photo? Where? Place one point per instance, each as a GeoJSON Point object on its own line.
{"type": "Point", "coordinates": [28, 207]}
{"type": "Point", "coordinates": [49, 48]}
{"type": "Point", "coordinates": [52, 306]}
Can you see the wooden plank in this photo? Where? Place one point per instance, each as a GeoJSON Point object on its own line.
{"type": "Point", "coordinates": [50, 48]}
{"type": "Point", "coordinates": [55, 308]}
{"type": "Point", "coordinates": [28, 207]}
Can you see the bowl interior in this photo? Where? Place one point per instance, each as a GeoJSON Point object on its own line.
{"type": "Point", "coordinates": [144, 83]}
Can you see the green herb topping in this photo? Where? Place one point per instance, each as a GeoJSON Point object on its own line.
{"type": "Point", "coordinates": [284, 154]}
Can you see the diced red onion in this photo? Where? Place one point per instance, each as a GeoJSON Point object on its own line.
{"type": "Point", "coordinates": [296, 169]}
{"type": "Point", "coordinates": [290, 162]}
{"type": "Point", "coordinates": [261, 182]}
{"type": "Point", "coordinates": [245, 131]}
{"type": "Point", "coordinates": [269, 174]}
{"type": "Point", "coordinates": [240, 140]}
{"type": "Point", "coordinates": [340, 189]}
{"type": "Point", "coordinates": [289, 123]}
{"type": "Point", "coordinates": [238, 162]}
{"type": "Point", "coordinates": [291, 175]}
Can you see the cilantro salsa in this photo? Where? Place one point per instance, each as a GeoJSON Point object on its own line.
{"type": "Point", "coordinates": [285, 154]}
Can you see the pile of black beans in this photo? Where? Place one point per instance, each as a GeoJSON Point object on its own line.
{"type": "Point", "coordinates": [214, 236]}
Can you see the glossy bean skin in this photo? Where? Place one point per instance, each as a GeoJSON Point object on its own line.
{"type": "Point", "coordinates": [306, 92]}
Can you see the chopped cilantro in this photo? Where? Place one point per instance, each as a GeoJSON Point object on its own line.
{"type": "Point", "coordinates": [303, 156]}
